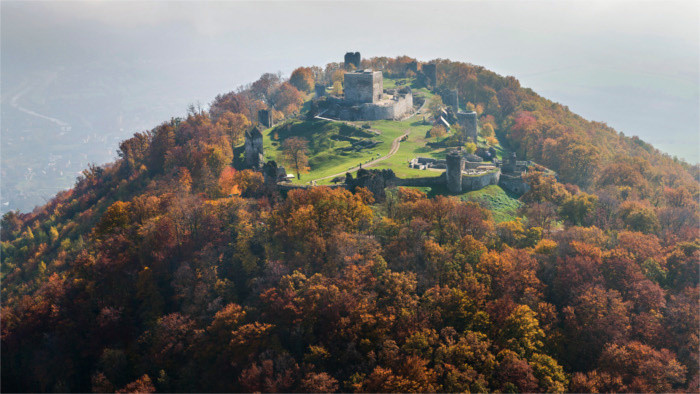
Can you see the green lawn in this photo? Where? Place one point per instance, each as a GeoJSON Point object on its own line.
{"type": "Point", "coordinates": [329, 145]}
{"type": "Point", "coordinates": [503, 205]}
{"type": "Point", "coordinates": [413, 147]}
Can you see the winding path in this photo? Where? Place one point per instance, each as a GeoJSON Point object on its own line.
{"type": "Point", "coordinates": [395, 144]}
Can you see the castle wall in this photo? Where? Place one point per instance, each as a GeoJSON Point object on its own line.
{"type": "Point", "coordinates": [514, 184]}
{"type": "Point", "coordinates": [363, 87]}
{"type": "Point", "coordinates": [472, 165]}
{"type": "Point", "coordinates": [385, 109]}
{"type": "Point", "coordinates": [422, 182]}
{"type": "Point", "coordinates": [480, 181]}
{"type": "Point", "coordinates": [403, 106]}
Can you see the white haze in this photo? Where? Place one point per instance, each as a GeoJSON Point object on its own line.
{"type": "Point", "coordinates": [108, 69]}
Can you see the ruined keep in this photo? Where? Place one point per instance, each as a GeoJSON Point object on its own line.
{"type": "Point", "coordinates": [465, 174]}
{"type": "Point", "coordinates": [363, 86]}
{"type": "Point", "coordinates": [468, 122]}
{"type": "Point", "coordinates": [512, 178]}
{"type": "Point", "coordinates": [253, 148]}
{"type": "Point", "coordinates": [411, 66]}
{"type": "Point", "coordinates": [430, 73]}
{"type": "Point", "coordinates": [265, 118]}
{"type": "Point", "coordinates": [452, 99]}
{"type": "Point", "coordinates": [365, 99]}
{"type": "Point", "coordinates": [353, 58]}
{"type": "Point", "coordinates": [320, 89]}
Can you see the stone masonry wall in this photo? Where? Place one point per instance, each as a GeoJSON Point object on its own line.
{"type": "Point", "coordinates": [363, 87]}
{"type": "Point", "coordinates": [476, 182]}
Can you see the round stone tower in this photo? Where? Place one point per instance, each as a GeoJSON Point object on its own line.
{"type": "Point", "coordinates": [455, 163]}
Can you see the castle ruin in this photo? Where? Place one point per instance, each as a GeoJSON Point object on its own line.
{"type": "Point", "coordinates": [467, 173]}
{"type": "Point", "coordinates": [363, 87]}
{"type": "Point", "coordinates": [468, 122]}
{"type": "Point", "coordinates": [320, 90]}
{"type": "Point", "coordinates": [514, 171]}
{"type": "Point", "coordinates": [353, 58]}
{"type": "Point", "coordinates": [366, 99]}
{"type": "Point", "coordinates": [265, 118]}
{"type": "Point", "coordinates": [430, 73]}
{"type": "Point", "coordinates": [452, 99]}
{"type": "Point", "coordinates": [253, 148]}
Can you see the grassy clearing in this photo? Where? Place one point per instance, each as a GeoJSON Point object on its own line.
{"type": "Point", "coordinates": [503, 205]}
{"type": "Point", "coordinates": [329, 145]}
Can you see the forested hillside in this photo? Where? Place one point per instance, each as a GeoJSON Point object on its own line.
{"type": "Point", "coordinates": [170, 270]}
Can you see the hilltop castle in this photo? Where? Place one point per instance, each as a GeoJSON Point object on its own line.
{"type": "Point", "coordinates": [365, 97]}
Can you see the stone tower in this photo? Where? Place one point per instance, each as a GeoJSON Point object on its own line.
{"type": "Point", "coordinates": [353, 58]}
{"type": "Point", "coordinates": [453, 175]}
{"type": "Point", "coordinates": [453, 99]}
{"type": "Point", "coordinates": [469, 125]}
{"type": "Point", "coordinates": [363, 87]}
{"type": "Point", "coordinates": [320, 90]}
{"type": "Point", "coordinates": [265, 118]}
{"type": "Point", "coordinates": [430, 73]}
{"type": "Point", "coordinates": [253, 153]}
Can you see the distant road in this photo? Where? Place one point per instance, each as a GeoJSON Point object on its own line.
{"type": "Point", "coordinates": [14, 103]}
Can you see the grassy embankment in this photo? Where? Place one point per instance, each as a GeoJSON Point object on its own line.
{"type": "Point", "coordinates": [503, 205]}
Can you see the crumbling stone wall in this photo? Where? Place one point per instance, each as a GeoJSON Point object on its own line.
{"type": "Point", "coordinates": [514, 184]}
{"type": "Point", "coordinates": [480, 181]}
{"type": "Point", "coordinates": [375, 181]}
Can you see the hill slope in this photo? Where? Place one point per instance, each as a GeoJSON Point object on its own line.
{"type": "Point", "coordinates": [169, 270]}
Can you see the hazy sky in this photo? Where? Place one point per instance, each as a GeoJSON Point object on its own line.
{"type": "Point", "coordinates": [632, 64]}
